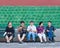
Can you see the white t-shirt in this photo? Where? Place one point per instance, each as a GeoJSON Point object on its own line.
{"type": "Point", "coordinates": [33, 28]}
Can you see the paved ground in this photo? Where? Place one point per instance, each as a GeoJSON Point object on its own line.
{"type": "Point", "coordinates": [30, 45]}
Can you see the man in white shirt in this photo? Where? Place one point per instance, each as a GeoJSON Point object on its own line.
{"type": "Point", "coordinates": [31, 31]}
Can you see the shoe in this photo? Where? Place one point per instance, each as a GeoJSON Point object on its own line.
{"type": "Point", "coordinates": [20, 42]}
{"type": "Point", "coordinates": [8, 41]}
{"type": "Point", "coordinates": [41, 42]}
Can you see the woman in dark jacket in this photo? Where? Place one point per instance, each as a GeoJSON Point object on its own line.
{"type": "Point", "coordinates": [9, 32]}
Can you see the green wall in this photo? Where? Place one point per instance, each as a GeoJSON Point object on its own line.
{"type": "Point", "coordinates": [28, 13]}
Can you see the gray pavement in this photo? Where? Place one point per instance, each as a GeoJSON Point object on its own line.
{"type": "Point", "coordinates": [30, 45]}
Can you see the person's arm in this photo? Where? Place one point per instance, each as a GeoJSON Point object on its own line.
{"type": "Point", "coordinates": [18, 29]}
{"type": "Point", "coordinates": [5, 31]}
{"type": "Point", "coordinates": [28, 29]}
{"type": "Point", "coordinates": [13, 30]}
{"type": "Point", "coordinates": [35, 30]}
{"type": "Point", "coordinates": [43, 29]}
{"type": "Point", "coordinates": [24, 29]}
{"type": "Point", "coordinates": [54, 29]}
{"type": "Point", "coordinates": [47, 30]}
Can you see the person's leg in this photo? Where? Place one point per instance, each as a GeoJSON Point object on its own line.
{"type": "Point", "coordinates": [23, 36]}
{"type": "Point", "coordinates": [33, 36]}
{"type": "Point", "coordinates": [44, 37]}
{"type": "Point", "coordinates": [47, 39]}
{"type": "Point", "coordinates": [7, 38]}
{"type": "Point", "coordinates": [40, 37]}
{"type": "Point", "coordinates": [29, 35]}
{"type": "Point", "coordinates": [53, 40]}
{"type": "Point", "coordinates": [10, 38]}
{"type": "Point", "coordinates": [50, 39]}
{"type": "Point", "coordinates": [19, 37]}
{"type": "Point", "coordinates": [49, 36]}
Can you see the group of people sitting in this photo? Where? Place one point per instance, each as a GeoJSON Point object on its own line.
{"type": "Point", "coordinates": [44, 33]}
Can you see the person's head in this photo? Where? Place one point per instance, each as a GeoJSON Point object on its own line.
{"type": "Point", "coordinates": [9, 24]}
{"type": "Point", "coordinates": [20, 28]}
{"type": "Point", "coordinates": [22, 23]}
{"type": "Point", "coordinates": [31, 23]}
{"type": "Point", "coordinates": [41, 23]}
{"type": "Point", "coordinates": [49, 23]}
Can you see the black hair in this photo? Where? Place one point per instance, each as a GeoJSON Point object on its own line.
{"type": "Point", "coordinates": [22, 22]}
{"type": "Point", "coordinates": [50, 21]}
{"type": "Point", "coordinates": [9, 22]}
{"type": "Point", "coordinates": [20, 26]}
{"type": "Point", "coordinates": [31, 21]}
{"type": "Point", "coordinates": [40, 23]}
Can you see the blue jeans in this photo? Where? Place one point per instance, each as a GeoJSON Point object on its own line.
{"type": "Point", "coordinates": [29, 36]}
